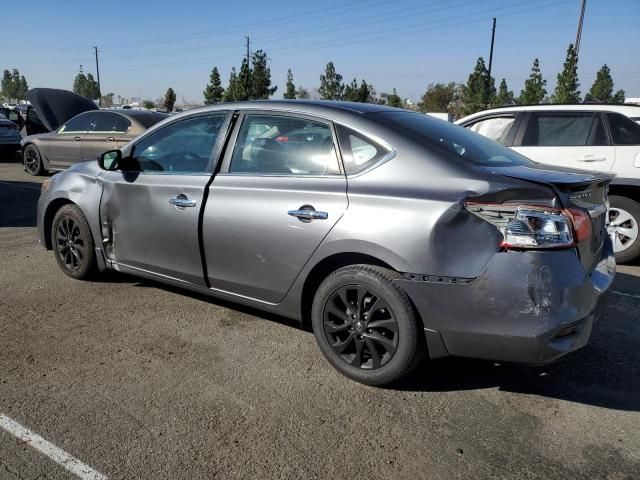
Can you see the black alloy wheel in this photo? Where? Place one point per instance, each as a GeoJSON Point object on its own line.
{"type": "Point", "coordinates": [72, 242]}
{"type": "Point", "coordinates": [366, 326]}
{"type": "Point", "coordinates": [360, 326]}
{"type": "Point", "coordinates": [32, 160]}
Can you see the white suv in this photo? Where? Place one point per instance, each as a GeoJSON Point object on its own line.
{"type": "Point", "coordinates": [589, 137]}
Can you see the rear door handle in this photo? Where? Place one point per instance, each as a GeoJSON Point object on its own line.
{"type": "Point", "coordinates": [181, 201]}
{"type": "Point", "coordinates": [591, 158]}
{"type": "Point", "coordinates": [308, 214]}
{"type": "Point", "coordinates": [77, 139]}
{"type": "Point", "coordinates": [110, 139]}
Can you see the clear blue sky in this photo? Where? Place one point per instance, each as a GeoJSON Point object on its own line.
{"type": "Point", "coordinates": [147, 46]}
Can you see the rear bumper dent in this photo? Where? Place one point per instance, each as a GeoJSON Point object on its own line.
{"type": "Point", "coordinates": [527, 307]}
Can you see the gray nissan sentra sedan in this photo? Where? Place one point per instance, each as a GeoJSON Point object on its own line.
{"type": "Point", "coordinates": [392, 234]}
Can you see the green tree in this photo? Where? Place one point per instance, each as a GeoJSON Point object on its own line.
{"type": "Point", "coordinates": [302, 93]}
{"type": "Point", "coordinates": [107, 100]}
{"type": "Point", "coordinates": [350, 91]}
{"type": "Point", "coordinates": [437, 98]}
{"type": "Point", "coordinates": [169, 99]}
{"type": "Point", "coordinates": [394, 100]}
{"type": "Point", "coordinates": [534, 87]}
{"type": "Point", "coordinates": [290, 89]}
{"type": "Point", "coordinates": [92, 89]}
{"type": "Point", "coordinates": [363, 94]}
{"type": "Point", "coordinates": [261, 88]}
{"type": "Point", "coordinates": [24, 88]}
{"type": "Point", "coordinates": [567, 87]}
{"type": "Point", "coordinates": [244, 84]}
{"type": "Point", "coordinates": [602, 88]}
{"type": "Point", "coordinates": [8, 89]}
{"type": "Point", "coordinates": [213, 93]}
{"type": "Point", "coordinates": [479, 90]}
{"type": "Point", "coordinates": [331, 87]}
{"type": "Point", "coordinates": [231, 91]}
{"type": "Point", "coordinates": [504, 96]}
{"type": "Point", "coordinates": [80, 84]}
{"type": "Point", "coordinates": [148, 104]}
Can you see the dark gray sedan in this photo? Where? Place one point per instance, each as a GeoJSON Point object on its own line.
{"type": "Point", "coordinates": [392, 234]}
{"type": "Point", "coordinates": [78, 130]}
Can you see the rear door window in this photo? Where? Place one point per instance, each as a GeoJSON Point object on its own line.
{"type": "Point", "coordinates": [624, 131]}
{"type": "Point", "coordinates": [109, 122]}
{"type": "Point", "coordinates": [284, 145]}
{"type": "Point", "coordinates": [495, 128]}
{"type": "Point", "coordinates": [564, 130]}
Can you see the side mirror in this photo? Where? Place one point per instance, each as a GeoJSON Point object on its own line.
{"type": "Point", "coordinates": [111, 160]}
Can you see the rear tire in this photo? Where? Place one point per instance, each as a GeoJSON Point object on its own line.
{"type": "Point", "coordinates": [366, 326]}
{"type": "Point", "coordinates": [73, 243]}
{"type": "Point", "coordinates": [624, 227]}
{"type": "Point", "coordinates": [32, 160]}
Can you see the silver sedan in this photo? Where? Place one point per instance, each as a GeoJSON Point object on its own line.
{"type": "Point", "coordinates": [391, 234]}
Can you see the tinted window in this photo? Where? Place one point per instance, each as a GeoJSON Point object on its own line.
{"type": "Point", "coordinates": [496, 128]}
{"type": "Point", "coordinates": [79, 123]}
{"type": "Point", "coordinates": [624, 131]}
{"type": "Point", "coordinates": [450, 139]}
{"type": "Point", "coordinates": [273, 144]}
{"type": "Point", "coordinates": [183, 147]}
{"type": "Point", "coordinates": [110, 122]}
{"type": "Point", "coordinates": [358, 151]}
{"type": "Point", "coordinates": [563, 130]}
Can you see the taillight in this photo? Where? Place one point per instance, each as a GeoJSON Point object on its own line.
{"type": "Point", "coordinates": [532, 226]}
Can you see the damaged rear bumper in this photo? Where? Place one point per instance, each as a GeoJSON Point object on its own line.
{"type": "Point", "coordinates": [529, 307]}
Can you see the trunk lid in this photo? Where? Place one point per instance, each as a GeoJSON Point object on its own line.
{"type": "Point", "coordinates": [54, 107]}
{"type": "Point", "coordinates": [582, 190]}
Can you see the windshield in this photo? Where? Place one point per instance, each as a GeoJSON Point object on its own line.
{"type": "Point", "coordinates": [459, 141]}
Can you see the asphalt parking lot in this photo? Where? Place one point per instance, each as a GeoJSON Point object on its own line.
{"type": "Point", "coordinates": [139, 380]}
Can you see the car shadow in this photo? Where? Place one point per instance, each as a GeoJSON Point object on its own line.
{"type": "Point", "coordinates": [19, 203]}
{"type": "Point", "coordinates": [604, 373]}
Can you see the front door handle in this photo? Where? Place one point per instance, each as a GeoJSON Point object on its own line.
{"type": "Point", "coordinates": [181, 201]}
{"type": "Point", "coordinates": [77, 139]}
{"type": "Point", "coordinates": [110, 139]}
{"type": "Point", "coordinates": [308, 213]}
{"type": "Point", "coordinates": [591, 158]}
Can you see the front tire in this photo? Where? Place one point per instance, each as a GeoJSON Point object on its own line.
{"type": "Point", "coordinates": [73, 243]}
{"type": "Point", "coordinates": [32, 160]}
{"type": "Point", "coordinates": [624, 222]}
{"type": "Point", "coordinates": [366, 326]}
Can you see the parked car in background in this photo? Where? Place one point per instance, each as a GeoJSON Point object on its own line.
{"type": "Point", "coordinates": [588, 137]}
{"type": "Point", "coordinates": [9, 136]}
{"type": "Point", "coordinates": [13, 115]}
{"type": "Point", "coordinates": [78, 130]}
{"type": "Point", "coordinates": [394, 234]}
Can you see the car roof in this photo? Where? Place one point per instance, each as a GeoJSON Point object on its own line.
{"type": "Point", "coordinates": [628, 110]}
{"type": "Point", "coordinates": [309, 106]}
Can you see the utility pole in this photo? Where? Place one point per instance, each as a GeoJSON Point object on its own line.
{"type": "Point", "coordinates": [579, 34]}
{"type": "Point", "coordinates": [248, 42]}
{"type": "Point", "coordinates": [98, 74]}
{"type": "Point", "coordinates": [493, 38]}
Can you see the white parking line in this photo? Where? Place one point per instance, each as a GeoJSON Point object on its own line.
{"type": "Point", "coordinates": [626, 294]}
{"type": "Point", "coordinates": [85, 472]}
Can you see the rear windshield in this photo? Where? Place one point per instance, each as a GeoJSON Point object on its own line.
{"type": "Point", "coordinates": [149, 119]}
{"type": "Point", "coordinates": [445, 136]}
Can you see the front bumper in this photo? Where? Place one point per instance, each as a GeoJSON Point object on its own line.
{"type": "Point", "coordinates": [529, 307]}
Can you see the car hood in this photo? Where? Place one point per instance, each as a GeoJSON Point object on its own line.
{"type": "Point", "coordinates": [54, 107]}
